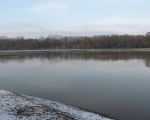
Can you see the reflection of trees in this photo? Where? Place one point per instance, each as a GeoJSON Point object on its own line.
{"type": "Point", "coordinates": [147, 62]}
{"type": "Point", "coordinates": [75, 55]}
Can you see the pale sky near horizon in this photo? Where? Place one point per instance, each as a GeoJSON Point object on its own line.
{"type": "Point", "coordinates": [33, 18]}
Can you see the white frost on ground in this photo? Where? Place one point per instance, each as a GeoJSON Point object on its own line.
{"type": "Point", "coordinates": [21, 107]}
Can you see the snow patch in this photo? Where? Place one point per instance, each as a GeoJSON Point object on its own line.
{"type": "Point", "coordinates": [21, 107]}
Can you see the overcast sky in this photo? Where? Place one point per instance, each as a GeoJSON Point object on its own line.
{"type": "Point", "coordinates": [32, 18]}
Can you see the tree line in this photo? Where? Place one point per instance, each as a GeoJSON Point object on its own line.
{"type": "Point", "coordinates": [95, 42]}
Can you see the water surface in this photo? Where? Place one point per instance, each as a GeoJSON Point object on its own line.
{"type": "Point", "coordinates": [113, 83]}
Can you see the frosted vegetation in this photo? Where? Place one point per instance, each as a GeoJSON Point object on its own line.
{"type": "Point", "coordinates": [21, 107]}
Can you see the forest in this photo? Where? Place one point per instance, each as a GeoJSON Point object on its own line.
{"type": "Point", "coordinates": [95, 42]}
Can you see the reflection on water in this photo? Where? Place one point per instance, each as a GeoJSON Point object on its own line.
{"type": "Point", "coordinates": [112, 83]}
{"type": "Point", "coordinates": [73, 55]}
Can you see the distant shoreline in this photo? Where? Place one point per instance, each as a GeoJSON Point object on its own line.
{"type": "Point", "coordinates": [74, 50]}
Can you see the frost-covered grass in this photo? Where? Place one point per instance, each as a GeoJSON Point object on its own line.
{"type": "Point", "coordinates": [21, 107]}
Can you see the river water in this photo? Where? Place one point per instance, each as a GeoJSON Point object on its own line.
{"type": "Point", "coordinates": [112, 83]}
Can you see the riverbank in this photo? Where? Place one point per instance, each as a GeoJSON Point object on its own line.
{"type": "Point", "coordinates": [14, 106]}
{"type": "Point", "coordinates": [74, 50]}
